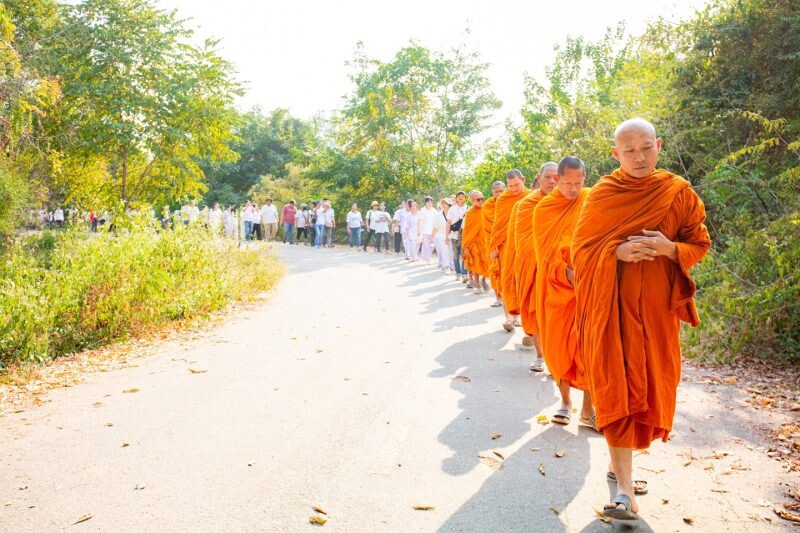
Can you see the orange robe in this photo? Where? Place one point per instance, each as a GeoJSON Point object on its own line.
{"type": "Point", "coordinates": [554, 220]}
{"type": "Point", "coordinates": [502, 214]}
{"type": "Point", "coordinates": [508, 286]}
{"type": "Point", "coordinates": [473, 238]}
{"type": "Point", "coordinates": [525, 262]}
{"type": "Point", "coordinates": [629, 314]}
{"type": "Point", "coordinates": [487, 214]}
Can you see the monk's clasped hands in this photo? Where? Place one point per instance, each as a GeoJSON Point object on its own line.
{"type": "Point", "coordinates": [646, 247]}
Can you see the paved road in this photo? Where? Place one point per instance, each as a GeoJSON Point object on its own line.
{"type": "Point", "coordinates": [339, 392]}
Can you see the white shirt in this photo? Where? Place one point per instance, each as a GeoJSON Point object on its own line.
{"type": "Point", "coordinates": [381, 222]}
{"type": "Point", "coordinates": [269, 214]}
{"type": "Point", "coordinates": [454, 214]}
{"type": "Point", "coordinates": [247, 215]}
{"type": "Point", "coordinates": [354, 219]}
{"type": "Point", "coordinates": [215, 217]}
{"type": "Point", "coordinates": [193, 213]}
{"type": "Point", "coordinates": [372, 218]}
{"type": "Point", "coordinates": [322, 216]}
{"type": "Point", "coordinates": [398, 217]}
{"type": "Point", "coordinates": [427, 216]}
{"type": "Point", "coordinates": [301, 218]}
{"type": "Point", "coordinates": [440, 225]}
{"type": "Point", "coordinates": [58, 215]}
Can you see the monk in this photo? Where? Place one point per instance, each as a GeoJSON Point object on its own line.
{"type": "Point", "coordinates": [554, 220]}
{"type": "Point", "coordinates": [473, 242]}
{"type": "Point", "coordinates": [487, 214]}
{"type": "Point", "coordinates": [498, 251]}
{"type": "Point", "coordinates": [640, 232]}
{"type": "Point", "coordinates": [525, 261]}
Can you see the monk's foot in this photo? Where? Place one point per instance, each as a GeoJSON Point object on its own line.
{"type": "Point", "coordinates": [508, 325]}
{"type": "Point", "coordinates": [622, 507]}
{"type": "Point", "coordinates": [537, 365]}
{"type": "Point", "coordinates": [639, 485]}
{"type": "Point", "coordinates": [563, 415]}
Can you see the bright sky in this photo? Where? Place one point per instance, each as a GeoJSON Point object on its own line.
{"type": "Point", "coordinates": [292, 53]}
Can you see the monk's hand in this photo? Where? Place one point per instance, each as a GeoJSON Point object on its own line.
{"type": "Point", "coordinates": [633, 252]}
{"type": "Point", "coordinates": [493, 254]}
{"type": "Point", "coordinates": [658, 243]}
{"type": "Point", "coordinates": [571, 276]}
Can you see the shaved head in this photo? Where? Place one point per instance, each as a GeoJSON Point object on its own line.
{"type": "Point", "coordinates": [498, 184]}
{"type": "Point", "coordinates": [497, 188]}
{"type": "Point", "coordinates": [634, 124]}
{"type": "Point", "coordinates": [636, 147]}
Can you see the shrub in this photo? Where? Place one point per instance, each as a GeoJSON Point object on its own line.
{"type": "Point", "coordinates": [88, 289]}
{"type": "Point", "coordinates": [749, 296]}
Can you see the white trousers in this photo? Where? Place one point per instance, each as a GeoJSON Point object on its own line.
{"type": "Point", "coordinates": [427, 248]}
{"type": "Point", "coordinates": [413, 247]}
{"type": "Point", "coordinates": [442, 251]}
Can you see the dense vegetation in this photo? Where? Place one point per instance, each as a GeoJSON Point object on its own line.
{"type": "Point", "coordinates": [108, 99]}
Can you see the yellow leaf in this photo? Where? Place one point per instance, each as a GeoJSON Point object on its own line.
{"type": "Point", "coordinates": [83, 518]}
{"type": "Point", "coordinates": [602, 517]}
{"type": "Point", "coordinates": [131, 390]}
{"type": "Point", "coordinates": [542, 419]}
{"type": "Point", "coordinates": [197, 371]}
{"type": "Point", "coordinates": [317, 520]}
{"type": "Point", "coordinates": [424, 508]}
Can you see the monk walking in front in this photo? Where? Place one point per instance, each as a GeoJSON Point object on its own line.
{"type": "Point", "coordinates": [498, 251]}
{"type": "Point", "coordinates": [554, 220]}
{"type": "Point", "coordinates": [487, 214]}
{"type": "Point", "coordinates": [473, 243]}
{"type": "Point", "coordinates": [525, 261]}
{"type": "Point", "coordinates": [640, 232]}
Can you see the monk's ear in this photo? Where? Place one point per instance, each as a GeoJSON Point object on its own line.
{"type": "Point", "coordinates": [615, 150]}
{"type": "Point", "coordinates": [658, 144]}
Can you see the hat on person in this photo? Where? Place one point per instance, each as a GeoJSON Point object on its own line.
{"type": "Point", "coordinates": [448, 201]}
{"type": "Point", "coordinates": [373, 204]}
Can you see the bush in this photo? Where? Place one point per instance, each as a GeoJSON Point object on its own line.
{"type": "Point", "coordinates": [92, 288]}
{"type": "Point", "coordinates": [749, 296]}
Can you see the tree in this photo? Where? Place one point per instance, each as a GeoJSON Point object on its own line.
{"type": "Point", "coordinates": [141, 106]}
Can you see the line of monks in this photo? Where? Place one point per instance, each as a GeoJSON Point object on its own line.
{"type": "Point", "coordinates": [598, 278]}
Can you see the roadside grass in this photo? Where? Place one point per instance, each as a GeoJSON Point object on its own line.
{"type": "Point", "coordinates": [65, 292]}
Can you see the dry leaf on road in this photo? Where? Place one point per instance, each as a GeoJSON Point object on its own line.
{"type": "Point", "coordinates": [556, 511]}
{"type": "Point", "coordinates": [83, 518]}
{"type": "Point", "coordinates": [126, 444]}
{"type": "Point", "coordinates": [131, 390]}
{"type": "Point", "coordinates": [491, 462]}
{"type": "Point", "coordinates": [543, 419]}
{"type": "Point", "coordinates": [601, 516]}
{"type": "Point", "coordinates": [197, 370]}
{"type": "Point", "coordinates": [541, 469]}
{"type": "Point", "coordinates": [496, 436]}
{"type": "Point", "coordinates": [463, 379]}
{"type": "Point", "coordinates": [317, 520]}
{"type": "Point", "coordinates": [688, 520]}
{"type": "Point", "coordinates": [559, 453]}
{"type": "Point", "coordinates": [498, 454]}
{"type": "Point", "coordinates": [319, 510]}
{"type": "Point", "coordinates": [424, 508]}
{"type": "Point", "coordinates": [786, 515]}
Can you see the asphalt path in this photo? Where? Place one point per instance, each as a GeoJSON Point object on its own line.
{"type": "Point", "coordinates": [364, 386]}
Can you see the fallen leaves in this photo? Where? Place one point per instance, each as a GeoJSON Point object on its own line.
{"type": "Point", "coordinates": [560, 453]}
{"type": "Point", "coordinates": [462, 379]}
{"type": "Point", "coordinates": [689, 520]}
{"type": "Point", "coordinates": [491, 462]}
{"type": "Point", "coordinates": [139, 487]}
{"type": "Point", "coordinates": [496, 436]}
{"type": "Point", "coordinates": [317, 520]}
{"type": "Point", "coordinates": [83, 518]}
{"type": "Point", "coordinates": [543, 419]}
{"type": "Point", "coordinates": [197, 370]}
{"type": "Point", "coordinates": [500, 455]}
{"type": "Point", "coordinates": [541, 469]}
{"type": "Point", "coordinates": [126, 444]}
{"type": "Point", "coordinates": [97, 404]}
{"type": "Point", "coordinates": [131, 390]}
{"type": "Point", "coordinates": [601, 516]}
{"type": "Point", "coordinates": [424, 508]}
{"type": "Point", "coordinates": [788, 515]}
{"type": "Point", "coordinates": [319, 510]}
{"type": "Point", "coordinates": [556, 511]}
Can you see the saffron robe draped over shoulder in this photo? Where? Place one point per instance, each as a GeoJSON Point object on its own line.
{"type": "Point", "coordinates": [507, 274]}
{"type": "Point", "coordinates": [525, 261]}
{"type": "Point", "coordinates": [502, 214]}
{"type": "Point", "coordinates": [628, 315]}
{"type": "Point", "coordinates": [487, 214]}
{"type": "Point", "coordinates": [554, 220]}
{"type": "Point", "coordinates": [473, 239]}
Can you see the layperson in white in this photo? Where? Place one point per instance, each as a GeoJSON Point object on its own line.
{"type": "Point", "coordinates": [427, 216]}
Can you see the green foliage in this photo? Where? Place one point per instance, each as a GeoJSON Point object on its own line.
{"type": "Point", "coordinates": [266, 144]}
{"type": "Point", "coordinates": [77, 290]}
{"type": "Point", "coordinates": [407, 126]}
{"type": "Point", "coordinates": [723, 90]}
{"type": "Point", "coordinates": [13, 195]}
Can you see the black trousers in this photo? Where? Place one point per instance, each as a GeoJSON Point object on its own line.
{"type": "Point", "coordinates": [257, 231]}
{"type": "Point", "coordinates": [385, 237]}
{"type": "Point", "coordinates": [369, 238]}
{"type": "Point", "coordinates": [398, 242]}
{"type": "Point", "coordinates": [301, 232]}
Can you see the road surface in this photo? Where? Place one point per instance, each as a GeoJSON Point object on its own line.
{"type": "Point", "coordinates": [340, 392]}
